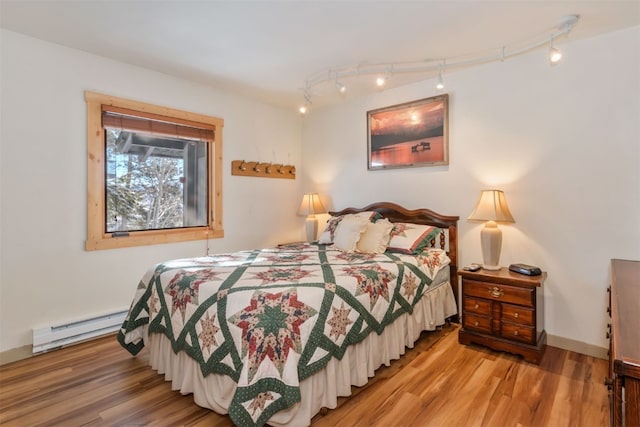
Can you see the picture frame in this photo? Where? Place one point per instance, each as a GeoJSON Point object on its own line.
{"type": "Point", "coordinates": [412, 134]}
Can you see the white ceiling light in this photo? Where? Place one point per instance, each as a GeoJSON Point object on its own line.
{"type": "Point", "coordinates": [554, 54]}
{"type": "Point", "coordinates": [385, 70]}
{"type": "Point", "coordinates": [440, 84]}
{"type": "Point", "coordinates": [340, 87]}
{"type": "Point", "coordinates": [307, 102]}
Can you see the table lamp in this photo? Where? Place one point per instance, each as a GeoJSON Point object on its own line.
{"type": "Point", "coordinates": [310, 207]}
{"type": "Point", "coordinates": [491, 207]}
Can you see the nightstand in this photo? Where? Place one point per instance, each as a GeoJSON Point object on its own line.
{"type": "Point", "coordinates": [504, 311]}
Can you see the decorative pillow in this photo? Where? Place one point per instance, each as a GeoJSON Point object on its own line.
{"type": "Point", "coordinates": [326, 238]}
{"type": "Point", "coordinates": [375, 238]}
{"type": "Point", "coordinates": [348, 232]}
{"type": "Point", "coordinates": [432, 260]}
{"type": "Point", "coordinates": [410, 238]}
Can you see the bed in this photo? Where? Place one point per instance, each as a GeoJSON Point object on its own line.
{"type": "Point", "coordinates": [301, 323]}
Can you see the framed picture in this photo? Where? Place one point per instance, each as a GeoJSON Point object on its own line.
{"type": "Point", "coordinates": [409, 135]}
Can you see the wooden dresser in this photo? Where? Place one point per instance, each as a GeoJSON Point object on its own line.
{"type": "Point", "coordinates": [624, 344]}
{"type": "Point", "coordinates": [505, 311]}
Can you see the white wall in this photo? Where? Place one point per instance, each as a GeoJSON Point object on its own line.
{"type": "Point", "coordinates": [563, 143]}
{"type": "Point", "coordinates": [45, 275]}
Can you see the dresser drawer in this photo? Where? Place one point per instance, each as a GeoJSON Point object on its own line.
{"type": "Point", "coordinates": [498, 292]}
{"type": "Point", "coordinates": [476, 323]}
{"type": "Point", "coordinates": [517, 314]}
{"type": "Point", "coordinates": [517, 332]}
{"type": "Point", "coordinates": [477, 306]}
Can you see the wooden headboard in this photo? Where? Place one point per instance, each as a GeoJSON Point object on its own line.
{"type": "Point", "coordinates": [396, 213]}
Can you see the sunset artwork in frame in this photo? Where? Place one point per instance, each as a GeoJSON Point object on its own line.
{"type": "Point", "coordinates": [412, 134]}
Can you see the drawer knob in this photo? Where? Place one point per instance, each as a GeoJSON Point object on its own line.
{"type": "Point", "coordinates": [516, 315]}
{"type": "Point", "coordinates": [476, 306]}
{"type": "Point", "coordinates": [496, 292]}
{"type": "Point", "coordinates": [475, 323]}
{"type": "Point", "coordinates": [515, 333]}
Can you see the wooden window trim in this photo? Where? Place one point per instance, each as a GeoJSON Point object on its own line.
{"type": "Point", "coordinates": [97, 238]}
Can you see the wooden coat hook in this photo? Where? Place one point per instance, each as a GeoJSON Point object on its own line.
{"type": "Point", "coordinates": [264, 170]}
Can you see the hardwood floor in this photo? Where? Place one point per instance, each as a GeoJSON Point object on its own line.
{"type": "Point", "coordinates": [438, 383]}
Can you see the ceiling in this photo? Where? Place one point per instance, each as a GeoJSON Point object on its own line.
{"type": "Point", "coordinates": [267, 49]}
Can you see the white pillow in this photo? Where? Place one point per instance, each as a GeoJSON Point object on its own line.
{"type": "Point", "coordinates": [326, 238]}
{"type": "Point", "coordinates": [349, 231]}
{"type": "Point", "coordinates": [375, 238]}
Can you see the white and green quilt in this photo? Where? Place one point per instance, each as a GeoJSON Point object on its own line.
{"type": "Point", "coordinates": [270, 318]}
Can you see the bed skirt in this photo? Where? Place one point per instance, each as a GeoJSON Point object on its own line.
{"type": "Point", "coordinates": [322, 389]}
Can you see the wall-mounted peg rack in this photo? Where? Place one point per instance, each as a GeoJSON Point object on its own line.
{"type": "Point", "coordinates": [264, 170]}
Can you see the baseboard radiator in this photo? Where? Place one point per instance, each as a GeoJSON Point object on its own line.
{"type": "Point", "coordinates": [51, 337]}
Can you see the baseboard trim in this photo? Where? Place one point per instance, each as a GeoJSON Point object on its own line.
{"type": "Point", "coordinates": [25, 352]}
{"type": "Point", "coordinates": [15, 354]}
{"type": "Point", "coordinates": [577, 346]}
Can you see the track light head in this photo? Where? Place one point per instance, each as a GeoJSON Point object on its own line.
{"type": "Point", "coordinates": [381, 81]}
{"type": "Point", "coordinates": [340, 87]}
{"type": "Point", "coordinates": [440, 84]}
{"type": "Point", "coordinates": [307, 102]}
{"type": "Point", "coordinates": [554, 54]}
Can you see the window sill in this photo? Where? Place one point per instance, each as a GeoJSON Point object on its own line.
{"type": "Point", "coordinates": [155, 237]}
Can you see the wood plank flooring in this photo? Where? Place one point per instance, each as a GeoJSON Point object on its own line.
{"type": "Point", "coordinates": [438, 383]}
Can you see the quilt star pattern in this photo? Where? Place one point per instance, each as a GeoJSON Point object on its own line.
{"type": "Point", "coordinates": [270, 318]}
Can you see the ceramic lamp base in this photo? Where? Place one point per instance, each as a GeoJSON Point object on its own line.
{"type": "Point", "coordinates": [311, 227]}
{"type": "Point", "coordinates": [491, 239]}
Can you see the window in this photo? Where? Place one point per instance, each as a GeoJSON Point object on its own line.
{"type": "Point", "coordinates": [154, 174]}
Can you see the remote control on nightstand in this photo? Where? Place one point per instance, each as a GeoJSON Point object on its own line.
{"type": "Point", "coordinates": [472, 267]}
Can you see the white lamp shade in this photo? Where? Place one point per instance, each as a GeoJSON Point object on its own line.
{"type": "Point", "coordinates": [311, 205]}
{"type": "Point", "coordinates": [492, 206]}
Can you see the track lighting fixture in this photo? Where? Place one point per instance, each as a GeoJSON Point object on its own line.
{"type": "Point", "coordinates": [386, 70]}
{"type": "Point", "coordinates": [554, 54]}
{"type": "Point", "coordinates": [307, 102]}
{"type": "Point", "coordinates": [383, 78]}
{"type": "Point", "coordinates": [440, 84]}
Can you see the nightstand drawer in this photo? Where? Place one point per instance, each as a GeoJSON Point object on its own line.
{"type": "Point", "coordinates": [498, 292]}
{"type": "Point", "coordinates": [517, 332]}
{"type": "Point", "coordinates": [477, 306]}
{"type": "Point", "coordinates": [476, 323]}
{"type": "Point", "coordinates": [517, 314]}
